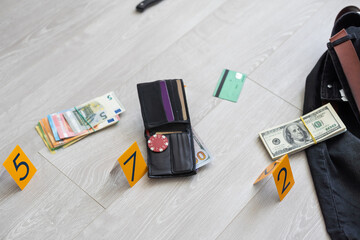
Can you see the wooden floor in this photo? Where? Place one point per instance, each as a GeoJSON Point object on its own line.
{"type": "Point", "coordinates": [58, 54]}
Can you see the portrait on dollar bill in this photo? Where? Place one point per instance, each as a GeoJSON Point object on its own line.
{"type": "Point", "coordinates": [296, 134]}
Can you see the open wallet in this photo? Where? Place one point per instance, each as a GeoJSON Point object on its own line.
{"type": "Point", "coordinates": [168, 132]}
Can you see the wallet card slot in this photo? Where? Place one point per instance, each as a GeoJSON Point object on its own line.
{"type": "Point", "coordinates": [182, 160]}
{"type": "Point", "coordinates": [151, 104]}
{"type": "Point", "coordinates": [170, 128]}
{"type": "Point", "coordinates": [159, 163]}
{"type": "Point", "coordinates": [175, 100]}
{"type": "Point", "coordinates": [166, 101]}
{"type": "Point", "coordinates": [182, 99]}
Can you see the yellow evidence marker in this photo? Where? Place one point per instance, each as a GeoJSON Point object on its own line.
{"type": "Point", "coordinates": [19, 167]}
{"type": "Point", "coordinates": [133, 164]}
{"type": "Point", "coordinates": [282, 174]}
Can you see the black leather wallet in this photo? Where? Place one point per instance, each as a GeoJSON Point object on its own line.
{"type": "Point", "coordinates": [165, 113]}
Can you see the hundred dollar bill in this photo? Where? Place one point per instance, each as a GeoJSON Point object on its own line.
{"type": "Point", "coordinates": [202, 154]}
{"type": "Point", "coordinates": [321, 124]}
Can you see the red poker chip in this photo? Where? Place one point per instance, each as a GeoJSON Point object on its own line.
{"type": "Point", "coordinates": [158, 143]}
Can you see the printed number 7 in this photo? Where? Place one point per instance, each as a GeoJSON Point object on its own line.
{"type": "Point", "coordinates": [278, 178]}
{"type": "Point", "coordinates": [133, 172]}
{"type": "Point", "coordinates": [18, 165]}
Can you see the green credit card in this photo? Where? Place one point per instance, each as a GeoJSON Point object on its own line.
{"type": "Point", "coordinates": [229, 85]}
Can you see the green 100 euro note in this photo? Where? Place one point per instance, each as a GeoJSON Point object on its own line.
{"type": "Point", "coordinates": [317, 126]}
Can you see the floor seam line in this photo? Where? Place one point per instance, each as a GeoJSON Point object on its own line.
{"type": "Point", "coordinates": [89, 223]}
{"type": "Point", "coordinates": [257, 83]}
{"type": "Point", "coordinates": [71, 180]}
{"type": "Point", "coordinates": [261, 188]}
{"type": "Point", "coordinates": [232, 220]}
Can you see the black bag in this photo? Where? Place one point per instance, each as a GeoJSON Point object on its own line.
{"type": "Point", "coordinates": [335, 163]}
{"type": "Point", "coordinates": [164, 111]}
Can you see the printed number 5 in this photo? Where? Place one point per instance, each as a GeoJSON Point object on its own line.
{"type": "Point", "coordinates": [278, 178]}
{"type": "Point", "coordinates": [133, 172]}
{"type": "Point", "coordinates": [18, 165]}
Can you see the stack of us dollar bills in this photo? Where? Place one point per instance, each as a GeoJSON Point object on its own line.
{"type": "Point", "coordinates": [64, 128]}
{"type": "Point", "coordinates": [317, 126]}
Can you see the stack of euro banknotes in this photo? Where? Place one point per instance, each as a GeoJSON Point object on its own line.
{"type": "Point", "coordinates": [61, 129]}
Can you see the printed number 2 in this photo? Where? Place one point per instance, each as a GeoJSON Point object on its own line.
{"type": "Point", "coordinates": [18, 165]}
{"type": "Point", "coordinates": [278, 178]}
{"type": "Point", "coordinates": [133, 172]}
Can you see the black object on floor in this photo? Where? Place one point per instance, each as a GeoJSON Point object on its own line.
{"type": "Point", "coordinates": [146, 4]}
{"type": "Point", "coordinates": [165, 112]}
{"type": "Point", "coordinates": [335, 163]}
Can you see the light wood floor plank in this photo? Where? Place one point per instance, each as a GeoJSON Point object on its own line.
{"type": "Point", "coordinates": [77, 50]}
{"type": "Point", "coordinates": [297, 216]}
{"type": "Point", "coordinates": [285, 72]}
{"type": "Point", "coordinates": [31, 34]}
{"type": "Point", "coordinates": [50, 207]}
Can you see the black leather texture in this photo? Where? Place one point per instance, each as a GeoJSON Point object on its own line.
{"type": "Point", "coordinates": [171, 119]}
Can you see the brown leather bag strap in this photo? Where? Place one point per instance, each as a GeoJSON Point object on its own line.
{"type": "Point", "coordinates": [349, 62]}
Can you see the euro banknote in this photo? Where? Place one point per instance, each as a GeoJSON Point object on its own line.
{"type": "Point", "coordinates": [69, 126]}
